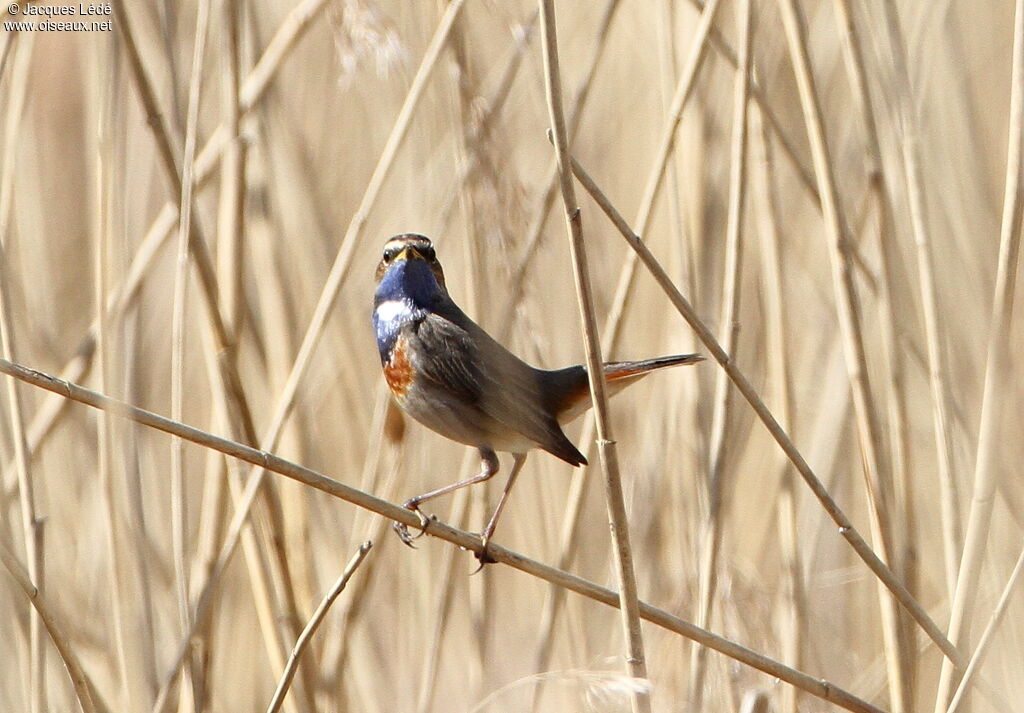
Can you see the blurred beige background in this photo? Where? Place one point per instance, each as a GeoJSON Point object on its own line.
{"type": "Point", "coordinates": [83, 185]}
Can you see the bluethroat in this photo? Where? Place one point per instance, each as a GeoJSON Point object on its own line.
{"type": "Point", "coordinates": [451, 376]}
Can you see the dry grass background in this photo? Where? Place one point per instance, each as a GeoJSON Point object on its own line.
{"type": "Point", "coordinates": [127, 524]}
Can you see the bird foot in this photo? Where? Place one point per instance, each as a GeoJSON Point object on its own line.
{"type": "Point", "coordinates": [402, 530]}
{"type": "Point", "coordinates": [484, 555]}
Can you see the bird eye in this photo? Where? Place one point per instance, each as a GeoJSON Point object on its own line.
{"type": "Point", "coordinates": [389, 254]}
{"type": "Point", "coordinates": [428, 253]}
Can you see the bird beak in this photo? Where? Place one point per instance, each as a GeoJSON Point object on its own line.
{"type": "Point", "coordinates": [408, 253]}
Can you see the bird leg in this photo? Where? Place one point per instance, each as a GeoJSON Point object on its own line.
{"type": "Point", "coordinates": [485, 536]}
{"type": "Point", "coordinates": [488, 467]}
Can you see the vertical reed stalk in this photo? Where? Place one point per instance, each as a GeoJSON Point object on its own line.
{"type": "Point", "coordinates": [22, 455]}
{"type": "Point", "coordinates": [997, 371]}
{"type": "Point", "coordinates": [711, 531]}
{"type": "Point", "coordinates": [779, 371]}
{"type": "Point", "coordinates": [907, 121]}
{"type": "Point", "coordinates": [876, 469]}
{"type": "Point", "coordinates": [618, 521]}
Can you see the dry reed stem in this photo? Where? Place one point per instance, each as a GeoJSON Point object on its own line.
{"type": "Point", "coordinates": [391, 511]}
{"type": "Point", "coordinates": [803, 172]}
{"type": "Point", "coordinates": [636, 664]}
{"type": "Point", "coordinates": [17, 92]}
{"type": "Point", "coordinates": [85, 691]}
{"type": "Point", "coordinates": [49, 412]}
{"type": "Point", "coordinates": [508, 313]}
{"type": "Point", "coordinates": [253, 89]}
{"type": "Point", "coordinates": [997, 369]}
{"type": "Point", "coordinates": [314, 623]}
{"type": "Point", "coordinates": [179, 514]}
{"type": "Point", "coordinates": [441, 607]}
{"type": "Point", "coordinates": [846, 528]}
{"type": "Point", "coordinates": [231, 207]}
{"type": "Point", "coordinates": [329, 293]}
{"type": "Point", "coordinates": [103, 235]}
{"type": "Point", "coordinates": [978, 657]}
{"type": "Point", "coordinates": [886, 289]}
{"type": "Point", "coordinates": [795, 598]}
{"type": "Point", "coordinates": [546, 199]}
{"type": "Point", "coordinates": [876, 469]}
{"type": "Point", "coordinates": [877, 189]}
{"type": "Point", "coordinates": [711, 540]}
{"type": "Point", "coordinates": [339, 269]}
{"type": "Point", "coordinates": [614, 320]}
{"type": "Point", "coordinates": [227, 384]}
{"type": "Point", "coordinates": [907, 122]}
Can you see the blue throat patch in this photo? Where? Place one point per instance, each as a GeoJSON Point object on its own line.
{"type": "Point", "coordinates": [406, 293]}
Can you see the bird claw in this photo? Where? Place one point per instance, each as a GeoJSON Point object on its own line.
{"type": "Point", "coordinates": [402, 530]}
{"type": "Point", "coordinates": [484, 555]}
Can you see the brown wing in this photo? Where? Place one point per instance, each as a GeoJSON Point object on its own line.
{"type": "Point", "coordinates": [473, 366]}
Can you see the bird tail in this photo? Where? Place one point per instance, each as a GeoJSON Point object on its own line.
{"type": "Point", "coordinates": [629, 370]}
{"type": "Point", "coordinates": [568, 392]}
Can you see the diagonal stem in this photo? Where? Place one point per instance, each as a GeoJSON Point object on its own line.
{"type": "Point", "coordinates": [392, 511]}
{"type": "Point", "coordinates": [739, 379]}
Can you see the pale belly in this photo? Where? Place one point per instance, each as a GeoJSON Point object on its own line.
{"type": "Point", "coordinates": [463, 424]}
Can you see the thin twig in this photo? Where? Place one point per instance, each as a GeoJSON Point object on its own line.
{"type": "Point", "coordinates": [329, 293]}
{"type": "Point", "coordinates": [886, 289]}
{"type": "Point", "coordinates": [391, 511]}
{"type": "Point", "coordinates": [912, 171]}
{"type": "Point", "coordinates": [997, 369]}
{"type": "Point", "coordinates": [17, 92]}
{"type": "Point", "coordinates": [778, 357]}
{"type": "Point", "coordinates": [84, 689]}
{"type": "Point", "coordinates": [105, 164]}
{"type": "Point", "coordinates": [314, 623]}
{"type": "Point", "coordinates": [978, 657]}
{"type": "Point", "coordinates": [711, 539]}
{"type": "Point", "coordinates": [875, 463]}
{"type": "Point", "coordinates": [179, 524]}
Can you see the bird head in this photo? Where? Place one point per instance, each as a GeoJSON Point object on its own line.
{"type": "Point", "coordinates": [409, 269]}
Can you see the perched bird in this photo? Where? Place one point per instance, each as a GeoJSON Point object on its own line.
{"type": "Point", "coordinates": [451, 376]}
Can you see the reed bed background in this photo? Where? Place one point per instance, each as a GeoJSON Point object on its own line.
{"type": "Point", "coordinates": [845, 224]}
